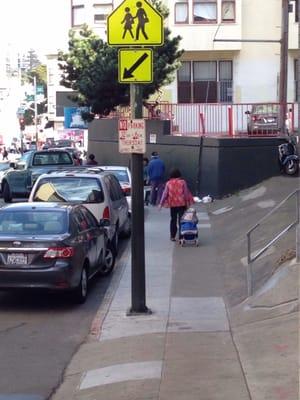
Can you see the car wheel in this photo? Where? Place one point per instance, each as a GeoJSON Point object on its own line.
{"type": "Point", "coordinates": [109, 261]}
{"type": "Point", "coordinates": [6, 193]}
{"type": "Point", "coordinates": [291, 167]}
{"type": "Point", "coordinates": [126, 233]}
{"type": "Point", "coordinates": [81, 292]}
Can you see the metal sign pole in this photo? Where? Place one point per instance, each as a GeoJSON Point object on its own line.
{"type": "Point", "coordinates": [138, 278]}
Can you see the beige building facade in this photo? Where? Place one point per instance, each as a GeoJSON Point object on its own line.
{"type": "Point", "coordinates": [212, 71]}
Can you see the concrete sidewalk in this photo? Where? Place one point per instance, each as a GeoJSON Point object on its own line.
{"type": "Point", "coordinates": [188, 348]}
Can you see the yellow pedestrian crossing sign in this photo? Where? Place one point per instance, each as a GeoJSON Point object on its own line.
{"type": "Point", "coordinates": [135, 23]}
{"type": "Point", "coordinates": [135, 66]}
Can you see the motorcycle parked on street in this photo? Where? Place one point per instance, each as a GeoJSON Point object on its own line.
{"type": "Point", "coordinates": [288, 157]}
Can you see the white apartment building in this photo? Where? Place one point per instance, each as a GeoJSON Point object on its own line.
{"type": "Point", "coordinates": [212, 71]}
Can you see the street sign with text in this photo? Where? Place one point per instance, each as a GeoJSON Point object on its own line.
{"type": "Point", "coordinates": [135, 23]}
{"type": "Point", "coordinates": [135, 66]}
{"type": "Point", "coordinates": [132, 136]}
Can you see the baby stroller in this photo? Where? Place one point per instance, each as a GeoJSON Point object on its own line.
{"type": "Point", "coordinates": [188, 228]}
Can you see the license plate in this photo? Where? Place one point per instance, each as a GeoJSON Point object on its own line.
{"type": "Point", "coordinates": [16, 259]}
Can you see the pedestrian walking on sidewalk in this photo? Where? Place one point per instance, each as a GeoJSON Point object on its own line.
{"type": "Point", "coordinates": [5, 154]}
{"type": "Point", "coordinates": [156, 171]}
{"type": "Point", "coordinates": [178, 198]}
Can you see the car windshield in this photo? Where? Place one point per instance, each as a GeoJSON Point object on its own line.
{"type": "Point", "coordinates": [64, 143]}
{"type": "Point", "coordinates": [52, 158]}
{"type": "Point", "coordinates": [121, 175]}
{"type": "Point", "coordinates": [69, 189]}
{"type": "Point", "coordinates": [265, 109]}
{"type": "Point", "coordinates": [33, 222]}
{"type": "Point", "coordinates": [4, 166]}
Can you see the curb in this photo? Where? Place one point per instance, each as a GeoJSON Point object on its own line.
{"type": "Point", "coordinates": [96, 326]}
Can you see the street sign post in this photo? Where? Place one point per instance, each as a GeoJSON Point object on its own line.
{"type": "Point", "coordinates": [135, 23]}
{"type": "Point", "coordinates": [135, 66]}
{"type": "Point", "coordinates": [132, 136]}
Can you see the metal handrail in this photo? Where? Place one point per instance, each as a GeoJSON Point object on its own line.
{"type": "Point", "coordinates": [251, 258]}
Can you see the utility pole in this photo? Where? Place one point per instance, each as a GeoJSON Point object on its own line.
{"type": "Point", "coordinates": [284, 46]}
{"type": "Point", "coordinates": [35, 114]}
{"type": "Point", "coordinates": [298, 69]}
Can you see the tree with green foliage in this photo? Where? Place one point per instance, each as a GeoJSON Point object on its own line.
{"type": "Point", "coordinates": [90, 69]}
{"type": "Point", "coordinates": [40, 73]}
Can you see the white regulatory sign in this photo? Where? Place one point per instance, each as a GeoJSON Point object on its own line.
{"type": "Point", "coordinates": [132, 136]}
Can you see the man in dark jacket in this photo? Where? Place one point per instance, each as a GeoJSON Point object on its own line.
{"type": "Point", "coordinates": [156, 171]}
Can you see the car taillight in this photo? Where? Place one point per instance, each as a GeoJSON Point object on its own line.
{"type": "Point", "coordinates": [106, 213]}
{"type": "Point", "coordinates": [126, 191]}
{"type": "Point", "coordinates": [254, 118]}
{"type": "Point", "coordinates": [59, 252]}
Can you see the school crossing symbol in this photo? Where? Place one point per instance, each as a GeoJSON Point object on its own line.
{"type": "Point", "coordinates": [135, 66]}
{"type": "Point", "coordinates": [135, 23]}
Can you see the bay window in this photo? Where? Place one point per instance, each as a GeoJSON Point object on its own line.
{"type": "Point", "coordinates": [204, 11]}
{"type": "Point", "coordinates": [205, 82]}
{"type": "Point", "coordinates": [101, 11]}
{"type": "Point", "coordinates": [184, 83]}
{"type": "Point", "coordinates": [181, 13]}
{"type": "Point", "coordinates": [78, 13]}
{"type": "Point", "coordinates": [228, 11]}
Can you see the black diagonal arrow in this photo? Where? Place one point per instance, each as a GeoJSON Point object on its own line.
{"type": "Point", "coordinates": [128, 73]}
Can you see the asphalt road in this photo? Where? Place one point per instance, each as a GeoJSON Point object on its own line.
{"type": "Point", "coordinates": [39, 333]}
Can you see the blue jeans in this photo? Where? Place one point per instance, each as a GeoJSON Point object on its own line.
{"type": "Point", "coordinates": [156, 192]}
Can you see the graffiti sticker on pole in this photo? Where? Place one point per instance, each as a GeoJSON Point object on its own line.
{"type": "Point", "coordinates": [132, 136]}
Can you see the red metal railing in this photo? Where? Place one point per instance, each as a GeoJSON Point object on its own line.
{"type": "Point", "coordinates": [219, 119]}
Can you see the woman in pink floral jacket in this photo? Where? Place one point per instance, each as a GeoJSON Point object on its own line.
{"type": "Point", "coordinates": [178, 198]}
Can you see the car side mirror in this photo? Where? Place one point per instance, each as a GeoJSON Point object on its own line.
{"type": "Point", "coordinates": [19, 166]}
{"type": "Point", "coordinates": [12, 165]}
{"type": "Point", "coordinates": [104, 222]}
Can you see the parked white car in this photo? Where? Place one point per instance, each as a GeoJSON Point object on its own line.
{"type": "Point", "coordinates": [98, 191]}
{"type": "Point", "coordinates": [123, 174]}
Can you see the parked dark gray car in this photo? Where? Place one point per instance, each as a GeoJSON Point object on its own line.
{"type": "Point", "coordinates": [52, 246]}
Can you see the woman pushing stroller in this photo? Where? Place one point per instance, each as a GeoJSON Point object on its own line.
{"type": "Point", "coordinates": [178, 198]}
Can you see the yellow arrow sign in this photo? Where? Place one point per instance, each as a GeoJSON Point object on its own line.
{"type": "Point", "coordinates": [135, 23]}
{"type": "Point", "coordinates": [135, 66]}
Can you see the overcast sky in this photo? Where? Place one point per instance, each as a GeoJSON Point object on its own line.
{"type": "Point", "coordinates": [38, 24]}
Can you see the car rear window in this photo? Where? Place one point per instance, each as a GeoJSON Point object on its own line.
{"type": "Point", "coordinates": [33, 222]}
{"type": "Point", "coordinates": [265, 109]}
{"type": "Point", "coordinates": [52, 158]}
{"type": "Point", "coordinates": [121, 175]}
{"type": "Point", "coordinates": [69, 189]}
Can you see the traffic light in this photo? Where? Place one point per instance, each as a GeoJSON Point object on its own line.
{"type": "Point", "coordinates": [22, 124]}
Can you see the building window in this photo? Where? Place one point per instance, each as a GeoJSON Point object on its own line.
{"type": "Point", "coordinates": [228, 11]}
{"type": "Point", "coordinates": [78, 14]}
{"type": "Point", "coordinates": [225, 81]}
{"type": "Point", "coordinates": [101, 11]}
{"type": "Point", "coordinates": [296, 5]}
{"type": "Point", "coordinates": [182, 13]}
{"type": "Point", "coordinates": [204, 11]}
{"type": "Point", "coordinates": [184, 83]}
{"type": "Point", "coordinates": [205, 82]}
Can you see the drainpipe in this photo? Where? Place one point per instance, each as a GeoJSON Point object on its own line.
{"type": "Point", "coordinates": [284, 45]}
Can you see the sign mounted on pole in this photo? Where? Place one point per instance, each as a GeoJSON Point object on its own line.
{"type": "Point", "coordinates": [135, 23]}
{"type": "Point", "coordinates": [135, 66]}
{"type": "Point", "coordinates": [132, 136]}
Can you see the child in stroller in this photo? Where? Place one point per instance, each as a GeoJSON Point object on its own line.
{"type": "Point", "coordinates": [188, 227]}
